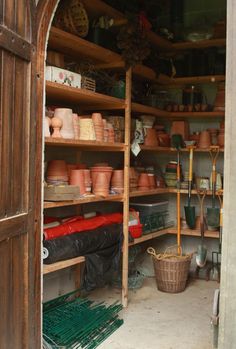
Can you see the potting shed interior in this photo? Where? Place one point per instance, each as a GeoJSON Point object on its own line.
{"type": "Point", "coordinates": [134, 123]}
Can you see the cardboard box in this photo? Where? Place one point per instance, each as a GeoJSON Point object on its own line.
{"type": "Point", "coordinates": [62, 76]}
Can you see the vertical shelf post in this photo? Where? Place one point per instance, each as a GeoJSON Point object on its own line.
{"type": "Point", "coordinates": [125, 263]}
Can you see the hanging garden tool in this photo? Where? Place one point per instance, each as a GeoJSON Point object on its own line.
{"type": "Point", "coordinates": [213, 213]}
{"type": "Point", "coordinates": [202, 250]}
{"type": "Point", "coordinates": [213, 272]}
{"type": "Point", "coordinates": [190, 210]}
{"type": "Point", "coordinates": [177, 142]}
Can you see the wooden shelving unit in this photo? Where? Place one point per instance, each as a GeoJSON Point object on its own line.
{"type": "Point", "coordinates": [65, 94]}
{"type": "Point", "coordinates": [188, 45]}
{"type": "Point", "coordinates": [190, 232]}
{"type": "Point", "coordinates": [85, 145]}
{"type": "Point", "coordinates": [173, 150]}
{"type": "Point", "coordinates": [50, 268]}
{"type": "Point", "coordinates": [105, 59]}
{"type": "Point", "coordinates": [83, 200]}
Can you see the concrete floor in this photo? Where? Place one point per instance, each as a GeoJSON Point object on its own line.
{"type": "Point", "coordinates": [156, 320]}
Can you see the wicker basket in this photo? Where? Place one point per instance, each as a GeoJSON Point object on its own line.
{"type": "Point", "coordinates": [73, 18]}
{"type": "Point", "coordinates": [171, 271]}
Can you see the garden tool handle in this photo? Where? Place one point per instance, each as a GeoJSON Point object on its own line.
{"type": "Point", "coordinates": [190, 173]}
{"type": "Point", "coordinates": [178, 205]}
{"type": "Point", "coordinates": [201, 196]}
{"type": "Point", "coordinates": [214, 152]}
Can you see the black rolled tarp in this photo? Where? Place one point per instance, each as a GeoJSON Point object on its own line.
{"type": "Point", "coordinates": [82, 244]}
{"type": "Point", "coordinates": [100, 247]}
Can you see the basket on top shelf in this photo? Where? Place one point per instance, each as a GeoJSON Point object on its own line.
{"type": "Point", "coordinates": [72, 17]}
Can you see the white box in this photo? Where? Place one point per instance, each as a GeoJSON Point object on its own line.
{"type": "Point", "coordinates": [62, 76]}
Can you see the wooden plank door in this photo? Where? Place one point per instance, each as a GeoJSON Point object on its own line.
{"type": "Point", "coordinates": [19, 306]}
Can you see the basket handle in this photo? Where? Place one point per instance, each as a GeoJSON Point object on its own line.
{"type": "Point", "coordinates": [151, 251]}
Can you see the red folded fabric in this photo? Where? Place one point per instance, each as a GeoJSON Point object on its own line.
{"type": "Point", "coordinates": [78, 225]}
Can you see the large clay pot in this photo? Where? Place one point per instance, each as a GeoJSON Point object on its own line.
{"type": "Point", "coordinates": [66, 115]}
{"type": "Point", "coordinates": [205, 140]}
{"type": "Point", "coordinates": [77, 178]}
{"type": "Point", "coordinates": [151, 137]}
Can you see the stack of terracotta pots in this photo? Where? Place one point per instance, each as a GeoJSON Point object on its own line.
{"type": "Point", "coordinates": [221, 135]}
{"type": "Point", "coordinates": [77, 178]}
{"type": "Point", "coordinates": [220, 99]}
{"type": "Point", "coordinates": [111, 133]}
{"type": "Point", "coordinates": [118, 123]}
{"type": "Point", "coordinates": [98, 126]}
{"type": "Point", "coordinates": [101, 178]}
{"type": "Point", "coordinates": [57, 172]}
{"type": "Point", "coordinates": [76, 126]}
{"type": "Point", "coordinates": [133, 179]}
{"type": "Point", "coordinates": [117, 181]}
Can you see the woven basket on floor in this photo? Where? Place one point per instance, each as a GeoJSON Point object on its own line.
{"type": "Point", "coordinates": [171, 271]}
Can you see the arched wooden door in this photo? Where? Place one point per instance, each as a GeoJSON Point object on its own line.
{"type": "Point", "coordinates": [20, 274]}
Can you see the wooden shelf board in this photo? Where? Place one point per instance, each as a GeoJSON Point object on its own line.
{"type": "Point", "coordinates": [190, 80]}
{"type": "Point", "coordinates": [148, 237]}
{"type": "Point", "coordinates": [61, 93]}
{"type": "Point", "coordinates": [193, 191]}
{"type": "Point", "coordinates": [77, 47]}
{"type": "Point", "coordinates": [199, 44]}
{"type": "Point", "coordinates": [50, 268]}
{"type": "Point", "coordinates": [157, 191]}
{"type": "Point", "coordinates": [85, 200]}
{"type": "Point", "coordinates": [210, 114]}
{"type": "Point", "coordinates": [145, 109]}
{"type": "Point", "coordinates": [190, 232]}
{"type": "Point", "coordinates": [85, 145]}
{"type": "Point", "coordinates": [96, 8]}
{"type": "Point", "coordinates": [170, 150]}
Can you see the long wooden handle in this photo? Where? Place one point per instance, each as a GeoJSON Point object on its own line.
{"type": "Point", "coordinates": [190, 175]}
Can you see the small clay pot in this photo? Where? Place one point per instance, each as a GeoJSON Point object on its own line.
{"type": "Point", "coordinates": [204, 140]}
{"type": "Point", "coordinates": [77, 178]}
{"type": "Point", "coordinates": [143, 180]}
{"type": "Point", "coordinates": [151, 138]}
{"type": "Point", "coordinates": [221, 140]}
{"type": "Point", "coordinates": [163, 140]}
{"type": "Point", "coordinates": [152, 181]}
{"type": "Point", "coordinates": [56, 124]}
{"type": "Point", "coordinates": [87, 181]}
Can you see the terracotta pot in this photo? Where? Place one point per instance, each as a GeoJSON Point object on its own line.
{"type": "Point", "coordinates": [87, 132]}
{"type": "Point", "coordinates": [65, 114]}
{"type": "Point", "coordinates": [57, 167]}
{"type": "Point", "coordinates": [152, 181]}
{"type": "Point", "coordinates": [75, 119]}
{"type": "Point", "coordinates": [204, 140]}
{"type": "Point", "coordinates": [87, 181]}
{"type": "Point", "coordinates": [180, 128]}
{"type": "Point", "coordinates": [77, 178]}
{"type": "Point", "coordinates": [97, 118]}
{"type": "Point", "coordinates": [143, 188]}
{"type": "Point", "coordinates": [151, 137]}
{"type": "Point", "coordinates": [56, 125]}
{"type": "Point", "coordinates": [71, 167]}
{"type": "Point", "coordinates": [221, 140]}
{"type": "Point", "coordinates": [220, 100]}
{"type": "Point", "coordinates": [101, 183]}
{"type": "Point", "coordinates": [143, 180]}
{"type": "Point", "coordinates": [95, 171]}
{"type": "Point", "coordinates": [163, 140]}
{"type": "Point", "coordinates": [117, 178]}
